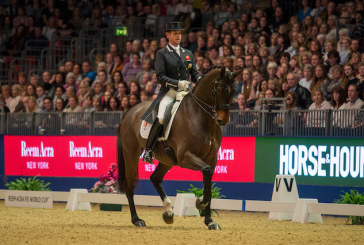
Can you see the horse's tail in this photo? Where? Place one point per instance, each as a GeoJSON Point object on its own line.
{"type": "Point", "coordinates": [121, 164]}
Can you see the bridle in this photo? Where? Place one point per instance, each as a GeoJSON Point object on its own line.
{"type": "Point", "coordinates": [211, 110]}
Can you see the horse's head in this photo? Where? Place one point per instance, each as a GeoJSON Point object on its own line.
{"type": "Point", "coordinates": [223, 93]}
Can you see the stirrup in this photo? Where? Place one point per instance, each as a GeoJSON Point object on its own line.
{"type": "Point", "coordinates": [148, 156]}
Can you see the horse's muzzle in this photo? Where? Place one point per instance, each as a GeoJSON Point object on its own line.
{"type": "Point", "coordinates": [223, 117]}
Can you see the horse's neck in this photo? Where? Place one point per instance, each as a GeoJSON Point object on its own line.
{"type": "Point", "coordinates": [204, 89]}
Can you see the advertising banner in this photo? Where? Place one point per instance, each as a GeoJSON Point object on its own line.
{"type": "Point", "coordinates": [91, 156]}
{"type": "Point", "coordinates": [62, 156]}
{"type": "Point", "coordinates": [313, 161]}
{"type": "Point", "coordinates": [1, 154]}
{"type": "Point", "coordinates": [235, 163]}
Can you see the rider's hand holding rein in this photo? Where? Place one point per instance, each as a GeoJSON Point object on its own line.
{"type": "Point", "coordinates": [183, 85]}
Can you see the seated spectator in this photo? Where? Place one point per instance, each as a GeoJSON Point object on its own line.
{"type": "Point", "coordinates": [125, 105]}
{"type": "Point", "coordinates": [284, 89]}
{"type": "Point", "coordinates": [350, 75]}
{"type": "Point", "coordinates": [361, 79]}
{"type": "Point", "coordinates": [317, 118]}
{"type": "Point", "coordinates": [59, 93]}
{"type": "Point", "coordinates": [97, 103]}
{"type": "Point", "coordinates": [307, 76]}
{"type": "Point", "coordinates": [116, 78]}
{"type": "Point", "coordinates": [259, 103]}
{"type": "Point", "coordinates": [3, 107]}
{"type": "Point", "coordinates": [338, 97]}
{"type": "Point", "coordinates": [147, 69]}
{"type": "Point", "coordinates": [355, 60]}
{"type": "Point", "coordinates": [133, 99]}
{"type": "Point", "coordinates": [73, 105]}
{"type": "Point", "coordinates": [105, 99]}
{"type": "Point", "coordinates": [59, 105]}
{"type": "Point", "coordinates": [291, 101]}
{"type": "Point", "coordinates": [32, 105]}
{"type": "Point", "coordinates": [83, 91]}
{"type": "Point", "coordinates": [40, 96]}
{"type": "Point", "coordinates": [273, 85]}
{"type": "Point", "coordinates": [337, 80]}
{"type": "Point", "coordinates": [6, 92]}
{"type": "Point", "coordinates": [98, 89]}
{"type": "Point", "coordinates": [319, 78]}
{"type": "Point", "coordinates": [48, 105]}
{"type": "Point", "coordinates": [87, 105]}
{"type": "Point", "coordinates": [354, 103]}
{"type": "Point", "coordinates": [145, 96]}
{"type": "Point", "coordinates": [303, 94]}
{"type": "Point", "coordinates": [88, 74]}
{"type": "Point", "coordinates": [135, 88]}
{"type": "Point", "coordinates": [249, 89]}
{"type": "Point", "coordinates": [16, 91]}
{"type": "Point", "coordinates": [241, 104]}
{"type": "Point", "coordinates": [344, 50]}
{"type": "Point", "coordinates": [151, 52]}
{"type": "Point", "coordinates": [130, 70]}
{"type": "Point", "coordinates": [70, 80]}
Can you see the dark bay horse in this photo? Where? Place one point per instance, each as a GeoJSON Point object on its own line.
{"type": "Point", "coordinates": [195, 137]}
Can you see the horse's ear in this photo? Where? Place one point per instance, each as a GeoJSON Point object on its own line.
{"type": "Point", "coordinates": [222, 72]}
{"type": "Point", "coordinates": [235, 74]}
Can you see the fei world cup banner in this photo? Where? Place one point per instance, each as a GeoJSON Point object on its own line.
{"type": "Point", "coordinates": [91, 156]}
{"type": "Point", "coordinates": [313, 161]}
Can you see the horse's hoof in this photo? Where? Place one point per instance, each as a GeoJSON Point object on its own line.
{"type": "Point", "coordinates": [139, 223]}
{"type": "Point", "coordinates": [214, 226]}
{"type": "Point", "coordinates": [168, 217]}
{"type": "Point", "coordinates": [199, 204]}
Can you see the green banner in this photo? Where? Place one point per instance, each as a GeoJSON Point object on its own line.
{"type": "Point", "coordinates": [313, 161]}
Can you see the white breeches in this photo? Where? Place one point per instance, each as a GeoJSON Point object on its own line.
{"type": "Point", "coordinates": [168, 98]}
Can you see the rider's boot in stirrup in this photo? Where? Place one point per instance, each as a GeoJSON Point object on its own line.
{"type": "Point", "coordinates": [154, 133]}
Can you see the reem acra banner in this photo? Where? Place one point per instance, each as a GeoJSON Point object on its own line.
{"type": "Point", "coordinates": [62, 156]}
{"type": "Point", "coordinates": [91, 156]}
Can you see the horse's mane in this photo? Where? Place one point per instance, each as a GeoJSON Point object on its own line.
{"type": "Point", "coordinates": [206, 73]}
{"type": "Point", "coordinates": [211, 68]}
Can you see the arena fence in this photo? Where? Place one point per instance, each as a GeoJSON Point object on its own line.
{"type": "Point", "coordinates": [316, 123]}
{"type": "Point", "coordinates": [310, 123]}
{"type": "Point", "coordinates": [84, 123]}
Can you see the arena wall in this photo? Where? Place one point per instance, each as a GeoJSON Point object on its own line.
{"type": "Point", "coordinates": [324, 167]}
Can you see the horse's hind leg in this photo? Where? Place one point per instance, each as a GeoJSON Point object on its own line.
{"type": "Point", "coordinates": [157, 178]}
{"type": "Point", "coordinates": [134, 216]}
{"type": "Point", "coordinates": [131, 169]}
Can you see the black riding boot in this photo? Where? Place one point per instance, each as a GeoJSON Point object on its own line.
{"type": "Point", "coordinates": [154, 133]}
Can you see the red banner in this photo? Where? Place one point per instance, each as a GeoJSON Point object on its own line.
{"type": "Point", "coordinates": [59, 156]}
{"type": "Point", "coordinates": [91, 156]}
{"type": "Point", "coordinates": [235, 163]}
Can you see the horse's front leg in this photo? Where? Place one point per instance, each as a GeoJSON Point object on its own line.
{"type": "Point", "coordinates": [157, 178]}
{"type": "Point", "coordinates": [194, 162]}
{"type": "Point", "coordinates": [205, 203]}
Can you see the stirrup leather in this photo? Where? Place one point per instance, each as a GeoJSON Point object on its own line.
{"type": "Point", "coordinates": [154, 133]}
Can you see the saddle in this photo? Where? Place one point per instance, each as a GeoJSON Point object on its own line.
{"type": "Point", "coordinates": [169, 114]}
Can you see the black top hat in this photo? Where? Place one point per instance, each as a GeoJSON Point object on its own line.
{"type": "Point", "coordinates": [174, 26]}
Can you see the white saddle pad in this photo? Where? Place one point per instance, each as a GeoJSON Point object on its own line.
{"type": "Point", "coordinates": [145, 126]}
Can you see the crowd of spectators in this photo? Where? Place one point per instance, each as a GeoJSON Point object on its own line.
{"type": "Point", "coordinates": [313, 58]}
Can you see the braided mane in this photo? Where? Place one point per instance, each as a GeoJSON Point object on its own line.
{"type": "Point", "coordinates": [211, 68]}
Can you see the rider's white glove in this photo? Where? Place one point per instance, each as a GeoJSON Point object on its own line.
{"type": "Point", "coordinates": [183, 85]}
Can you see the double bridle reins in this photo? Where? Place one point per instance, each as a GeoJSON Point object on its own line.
{"type": "Point", "coordinates": [211, 109]}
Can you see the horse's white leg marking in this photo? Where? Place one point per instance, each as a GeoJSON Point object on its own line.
{"type": "Point", "coordinates": [168, 208]}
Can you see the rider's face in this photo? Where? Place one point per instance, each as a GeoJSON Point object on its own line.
{"type": "Point", "coordinates": [174, 37]}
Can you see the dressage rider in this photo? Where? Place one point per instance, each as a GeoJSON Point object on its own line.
{"type": "Point", "coordinates": [173, 65]}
